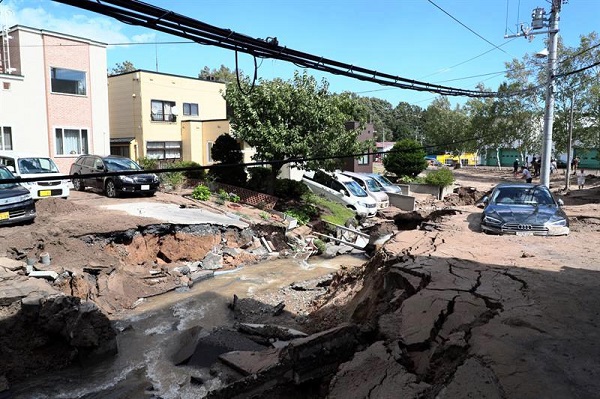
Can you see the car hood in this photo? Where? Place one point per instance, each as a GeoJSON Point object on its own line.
{"type": "Point", "coordinates": [13, 192]}
{"type": "Point", "coordinates": [528, 214]}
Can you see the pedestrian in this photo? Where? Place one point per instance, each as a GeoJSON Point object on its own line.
{"type": "Point", "coordinates": [515, 167]}
{"type": "Point", "coordinates": [575, 165]}
{"type": "Point", "coordinates": [581, 179]}
{"type": "Point", "coordinates": [553, 165]}
{"type": "Point", "coordinates": [525, 174]}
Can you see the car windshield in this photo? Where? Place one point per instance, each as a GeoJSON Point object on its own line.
{"type": "Point", "coordinates": [36, 165]}
{"type": "Point", "coordinates": [373, 185]}
{"type": "Point", "coordinates": [355, 189]}
{"type": "Point", "coordinates": [5, 174]}
{"type": "Point", "coordinates": [382, 180]}
{"type": "Point", "coordinates": [117, 164]}
{"type": "Point", "coordinates": [523, 196]}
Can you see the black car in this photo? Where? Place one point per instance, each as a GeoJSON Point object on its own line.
{"type": "Point", "coordinates": [112, 186]}
{"type": "Point", "coordinates": [523, 209]}
{"type": "Point", "coordinates": [16, 203]}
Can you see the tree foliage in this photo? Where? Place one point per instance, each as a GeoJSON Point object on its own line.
{"type": "Point", "coordinates": [226, 150]}
{"type": "Point", "coordinates": [407, 158]}
{"type": "Point", "coordinates": [223, 74]}
{"type": "Point", "coordinates": [286, 121]}
{"type": "Point", "coordinates": [122, 67]}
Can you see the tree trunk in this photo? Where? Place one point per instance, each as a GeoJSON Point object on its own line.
{"type": "Point", "coordinates": [498, 158]}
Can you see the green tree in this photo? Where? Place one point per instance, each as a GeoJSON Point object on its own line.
{"type": "Point", "coordinates": [226, 150]}
{"type": "Point", "coordinates": [288, 120]}
{"type": "Point", "coordinates": [122, 67]}
{"type": "Point", "coordinates": [223, 74]}
{"type": "Point", "coordinates": [406, 122]}
{"type": "Point", "coordinates": [407, 158]}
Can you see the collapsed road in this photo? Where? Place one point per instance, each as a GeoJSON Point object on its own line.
{"type": "Point", "coordinates": [439, 311]}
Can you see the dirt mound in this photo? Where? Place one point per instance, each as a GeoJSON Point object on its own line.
{"type": "Point", "coordinates": [55, 206]}
{"type": "Point", "coordinates": [464, 196]}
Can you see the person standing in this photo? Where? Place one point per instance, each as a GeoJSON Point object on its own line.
{"type": "Point", "coordinates": [581, 179]}
{"type": "Point", "coordinates": [525, 174]}
{"type": "Point", "coordinates": [575, 165]}
{"type": "Point", "coordinates": [515, 167]}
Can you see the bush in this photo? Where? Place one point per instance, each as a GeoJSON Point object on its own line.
{"type": "Point", "coordinates": [148, 163]}
{"type": "Point", "coordinates": [260, 178]}
{"type": "Point", "coordinates": [173, 179]}
{"type": "Point", "coordinates": [321, 247]}
{"type": "Point", "coordinates": [304, 213]}
{"type": "Point", "coordinates": [290, 189]}
{"type": "Point", "coordinates": [199, 174]}
{"type": "Point", "coordinates": [226, 150]}
{"type": "Point", "coordinates": [201, 193]}
{"type": "Point", "coordinates": [440, 177]}
{"type": "Point", "coordinates": [407, 158]}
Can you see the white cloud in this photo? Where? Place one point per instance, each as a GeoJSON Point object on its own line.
{"type": "Point", "coordinates": [144, 37]}
{"type": "Point", "coordinates": [98, 28]}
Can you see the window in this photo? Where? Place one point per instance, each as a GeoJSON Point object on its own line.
{"type": "Point", "coordinates": [6, 138]}
{"type": "Point", "coordinates": [363, 160]}
{"type": "Point", "coordinates": [71, 141]}
{"type": "Point", "coordinates": [190, 109]}
{"type": "Point", "coordinates": [163, 111]}
{"type": "Point", "coordinates": [67, 81]}
{"type": "Point", "coordinates": [209, 146]}
{"type": "Point", "coordinates": [163, 149]}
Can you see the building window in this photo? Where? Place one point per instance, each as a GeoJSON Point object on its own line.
{"type": "Point", "coordinates": [363, 160]}
{"type": "Point", "coordinates": [209, 146]}
{"type": "Point", "coordinates": [6, 138]}
{"type": "Point", "coordinates": [6, 85]}
{"type": "Point", "coordinates": [163, 111]}
{"type": "Point", "coordinates": [190, 109]}
{"type": "Point", "coordinates": [163, 149]}
{"type": "Point", "coordinates": [71, 141]}
{"type": "Point", "coordinates": [68, 81]}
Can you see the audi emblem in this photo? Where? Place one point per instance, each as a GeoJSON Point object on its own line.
{"type": "Point", "coordinates": [524, 227]}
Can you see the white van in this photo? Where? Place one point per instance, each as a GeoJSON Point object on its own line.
{"type": "Point", "coordinates": [372, 187]}
{"type": "Point", "coordinates": [337, 187]}
{"type": "Point", "coordinates": [34, 166]}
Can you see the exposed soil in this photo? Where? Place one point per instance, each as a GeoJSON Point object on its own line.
{"type": "Point", "coordinates": [442, 309]}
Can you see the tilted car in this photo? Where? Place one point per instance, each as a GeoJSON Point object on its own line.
{"type": "Point", "coordinates": [112, 186]}
{"type": "Point", "coordinates": [523, 209]}
{"type": "Point", "coordinates": [16, 203]}
{"type": "Point", "coordinates": [386, 185]}
{"type": "Point", "coordinates": [372, 187]}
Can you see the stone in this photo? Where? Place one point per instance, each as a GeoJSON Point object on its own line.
{"type": "Point", "coordinates": [200, 275]}
{"type": "Point", "coordinates": [11, 264]}
{"type": "Point", "coordinates": [17, 289]}
{"type": "Point", "coordinates": [251, 362]}
{"type": "Point", "coordinates": [212, 261]}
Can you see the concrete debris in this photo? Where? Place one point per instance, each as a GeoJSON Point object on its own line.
{"type": "Point", "coordinates": [200, 275]}
{"type": "Point", "coordinates": [212, 261]}
{"type": "Point", "coordinates": [49, 274]}
{"type": "Point", "coordinates": [271, 331]}
{"type": "Point", "coordinates": [11, 264]}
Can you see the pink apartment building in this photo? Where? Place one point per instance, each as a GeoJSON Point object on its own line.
{"type": "Point", "coordinates": [53, 95]}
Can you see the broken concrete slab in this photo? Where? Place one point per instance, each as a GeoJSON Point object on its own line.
{"type": "Point", "coordinates": [473, 380]}
{"type": "Point", "coordinates": [21, 287]}
{"type": "Point", "coordinates": [200, 275]}
{"type": "Point", "coordinates": [374, 373]}
{"type": "Point", "coordinates": [252, 362]}
{"type": "Point", "coordinates": [12, 264]}
{"type": "Point", "coordinates": [271, 331]}
{"type": "Point", "coordinates": [212, 261]}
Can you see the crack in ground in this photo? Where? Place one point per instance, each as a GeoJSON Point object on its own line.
{"type": "Point", "coordinates": [524, 284]}
{"type": "Point", "coordinates": [378, 384]}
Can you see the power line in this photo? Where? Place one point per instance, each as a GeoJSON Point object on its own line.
{"type": "Point", "coordinates": [138, 13]}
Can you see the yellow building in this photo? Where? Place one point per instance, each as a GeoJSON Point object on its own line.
{"type": "Point", "coordinates": [164, 116]}
{"type": "Point", "coordinates": [465, 159]}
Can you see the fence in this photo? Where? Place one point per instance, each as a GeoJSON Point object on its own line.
{"type": "Point", "coordinates": [254, 198]}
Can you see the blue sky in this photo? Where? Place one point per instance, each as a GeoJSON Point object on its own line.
{"type": "Point", "coordinates": [408, 38]}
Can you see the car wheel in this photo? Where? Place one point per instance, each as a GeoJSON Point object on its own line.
{"type": "Point", "coordinates": [148, 194]}
{"type": "Point", "coordinates": [110, 189]}
{"type": "Point", "coordinates": [78, 184]}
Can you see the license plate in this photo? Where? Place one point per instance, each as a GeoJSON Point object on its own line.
{"type": "Point", "coordinates": [4, 215]}
{"type": "Point", "coordinates": [524, 233]}
{"type": "Point", "coordinates": [145, 187]}
{"type": "Point", "coordinates": [45, 193]}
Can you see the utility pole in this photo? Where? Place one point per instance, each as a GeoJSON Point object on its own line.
{"type": "Point", "coordinates": [569, 144]}
{"type": "Point", "coordinates": [539, 21]}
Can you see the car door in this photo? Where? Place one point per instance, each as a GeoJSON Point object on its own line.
{"type": "Point", "coordinates": [85, 168]}
{"type": "Point", "coordinates": [98, 169]}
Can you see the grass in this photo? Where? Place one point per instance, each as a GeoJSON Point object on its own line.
{"type": "Point", "coordinates": [334, 212]}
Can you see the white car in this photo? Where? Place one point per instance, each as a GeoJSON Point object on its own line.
{"type": "Point", "coordinates": [372, 187]}
{"type": "Point", "coordinates": [386, 185]}
{"type": "Point", "coordinates": [340, 188]}
{"type": "Point", "coordinates": [35, 166]}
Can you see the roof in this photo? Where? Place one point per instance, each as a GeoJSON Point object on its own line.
{"type": "Point", "coordinates": [57, 34]}
{"type": "Point", "coordinates": [166, 74]}
{"type": "Point", "coordinates": [121, 140]}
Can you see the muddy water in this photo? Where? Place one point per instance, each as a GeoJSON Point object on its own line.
{"type": "Point", "coordinates": [151, 335]}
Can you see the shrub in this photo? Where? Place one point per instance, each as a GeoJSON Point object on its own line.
{"type": "Point", "coordinates": [173, 179]}
{"type": "Point", "coordinates": [226, 150]}
{"type": "Point", "coordinates": [290, 189]}
{"type": "Point", "coordinates": [303, 213]}
{"type": "Point", "coordinates": [201, 193]}
{"type": "Point", "coordinates": [223, 195]}
{"type": "Point", "coordinates": [321, 247]}
{"type": "Point", "coordinates": [440, 177]}
{"type": "Point", "coordinates": [260, 178]}
{"type": "Point", "coordinates": [234, 197]}
{"type": "Point", "coordinates": [148, 163]}
{"type": "Point", "coordinates": [199, 174]}
{"type": "Point", "coordinates": [407, 158]}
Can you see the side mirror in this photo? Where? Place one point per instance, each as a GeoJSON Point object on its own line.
{"type": "Point", "coordinates": [344, 193]}
{"type": "Point", "coordinates": [485, 200]}
{"type": "Point", "coordinates": [561, 202]}
{"type": "Point", "coordinates": [99, 167]}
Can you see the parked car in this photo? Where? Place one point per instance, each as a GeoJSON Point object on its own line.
{"type": "Point", "coordinates": [386, 185]}
{"type": "Point", "coordinates": [372, 187]}
{"type": "Point", "coordinates": [523, 209]}
{"type": "Point", "coordinates": [16, 202]}
{"type": "Point", "coordinates": [112, 186]}
{"type": "Point", "coordinates": [34, 166]}
{"type": "Point", "coordinates": [342, 189]}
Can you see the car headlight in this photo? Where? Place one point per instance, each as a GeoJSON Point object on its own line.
{"type": "Point", "coordinates": [490, 220]}
{"type": "Point", "coordinates": [126, 179]}
{"type": "Point", "coordinates": [366, 204]}
{"type": "Point", "coordinates": [155, 179]}
{"type": "Point", "coordinates": [556, 222]}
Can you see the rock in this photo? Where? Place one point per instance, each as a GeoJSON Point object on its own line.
{"type": "Point", "coordinates": [3, 384]}
{"type": "Point", "coordinates": [271, 331]}
{"type": "Point", "coordinates": [200, 275]}
{"type": "Point", "coordinates": [212, 261]}
{"type": "Point", "coordinates": [344, 249]}
{"type": "Point", "coordinates": [331, 251]}
{"type": "Point", "coordinates": [16, 289]}
{"type": "Point", "coordinates": [182, 270]}
{"type": "Point", "coordinates": [11, 264]}
{"type": "Point", "coordinates": [251, 362]}
{"type": "Point", "coordinates": [374, 373]}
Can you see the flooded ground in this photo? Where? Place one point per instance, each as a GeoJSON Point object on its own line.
{"type": "Point", "coordinates": [152, 334]}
